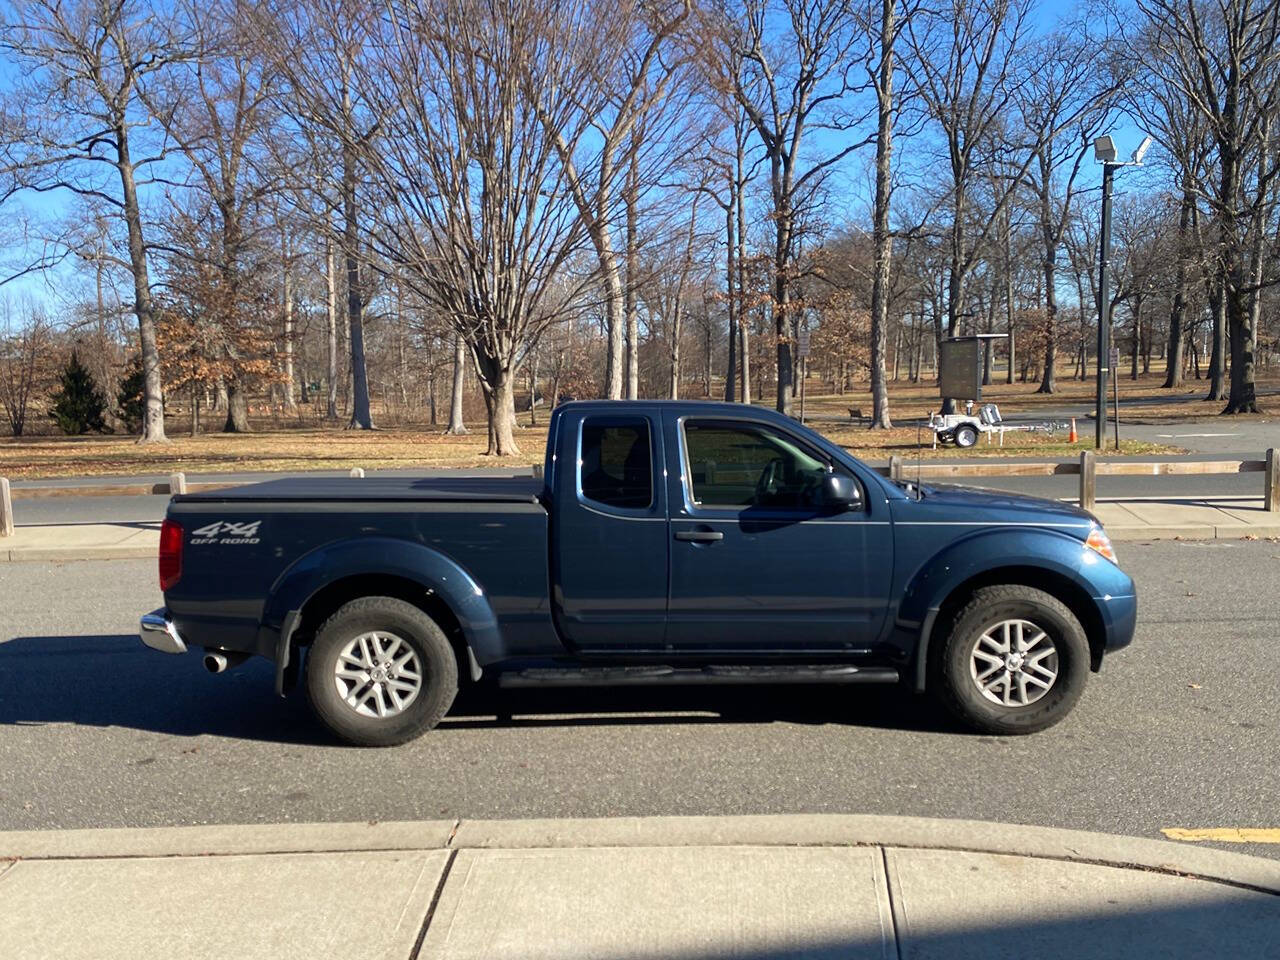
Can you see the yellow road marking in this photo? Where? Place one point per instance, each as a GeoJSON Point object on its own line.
{"type": "Point", "coordinates": [1224, 834]}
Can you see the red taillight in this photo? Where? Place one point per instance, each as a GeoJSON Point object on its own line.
{"type": "Point", "coordinates": [170, 554]}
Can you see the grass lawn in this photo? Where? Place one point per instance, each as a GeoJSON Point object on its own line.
{"type": "Point", "coordinates": [307, 444]}
{"type": "Point", "coordinates": [406, 447]}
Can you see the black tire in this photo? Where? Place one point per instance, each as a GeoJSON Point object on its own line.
{"type": "Point", "coordinates": [956, 686]}
{"type": "Point", "coordinates": [439, 672]}
{"type": "Point", "coordinates": [966, 435]}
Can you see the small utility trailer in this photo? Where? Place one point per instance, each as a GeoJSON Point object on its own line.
{"type": "Point", "coordinates": [963, 429]}
{"type": "Point", "coordinates": [960, 380]}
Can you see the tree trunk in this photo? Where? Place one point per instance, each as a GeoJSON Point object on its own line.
{"type": "Point", "coordinates": [782, 330]}
{"type": "Point", "coordinates": [1217, 354]}
{"type": "Point", "coordinates": [153, 389]}
{"type": "Point", "coordinates": [882, 239]}
{"type": "Point", "coordinates": [237, 409]}
{"type": "Point", "coordinates": [1136, 337]}
{"type": "Point", "coordinates": [290, 404]}
{"type": "Point", "coordinates": [361, 418]}
{"type": "Point", "coordinates": [498, 383]}
{"type": "Point", "coordinates": [456, 426]}
{"type": "Point", "coordinates": [1243, 397]}
{"type": "Point", "coordinates": [615, 318]}
{"type": "Point", "coordinates": [744, 331]}
{"type": "Point", "coordinates": [1178, 311]}
{"type": "Point", "coordinates": [331, 304]}
{"type": "Point", "coordinates": [1048, 380]}
{"type": "Point", "coordinates": [731, 373]}
{"type": "Point", "coordinates": [633, 279]}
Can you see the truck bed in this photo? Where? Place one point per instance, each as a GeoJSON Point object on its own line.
{"type": "Point", "coordinates": [390, 489]}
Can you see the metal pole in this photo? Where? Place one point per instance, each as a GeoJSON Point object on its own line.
{"type": "Point", "coordinates": [1104, 309]}
{"type": "Point", "coordinates": [804, 375]}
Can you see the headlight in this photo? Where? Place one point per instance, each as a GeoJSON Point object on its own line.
{"type": "Point", "coordinates": [1099, 541]}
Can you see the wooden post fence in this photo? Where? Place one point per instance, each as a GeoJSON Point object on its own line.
{"type": "Point", "coordinates": [6, 508]}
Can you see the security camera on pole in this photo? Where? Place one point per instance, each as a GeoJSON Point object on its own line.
{"type": "Point", "coordinates": [1104, 151]}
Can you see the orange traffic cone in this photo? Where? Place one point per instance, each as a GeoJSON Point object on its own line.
{"type": "Point", "coordinates": [1073, 438]}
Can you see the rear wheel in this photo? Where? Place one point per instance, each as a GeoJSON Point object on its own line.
{"type": "Point", "coordinates": [380, 672]}
{"type": "Point", "coordinates": [1016, 661]}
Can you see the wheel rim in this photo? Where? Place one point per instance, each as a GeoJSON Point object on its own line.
{"type": "Point", "coordinates": [1014, 663]}
{"type": "Point", "coordinates": [378, 675]}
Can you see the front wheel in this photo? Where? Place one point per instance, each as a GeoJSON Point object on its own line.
{"type": "Point", "coordinates": [380, 672]}
{"type": "Point", "coordinates": [1016, 661]}
{"type": "Point", "coordinates": [966, 435]}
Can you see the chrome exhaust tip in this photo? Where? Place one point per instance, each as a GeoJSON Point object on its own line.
{"type": "Point", "coordinates": [219, 661]}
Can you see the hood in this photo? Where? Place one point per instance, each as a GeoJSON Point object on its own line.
{"type": "Point", "coordinates": [973, 498]}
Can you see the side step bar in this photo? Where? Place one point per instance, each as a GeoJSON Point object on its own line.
{"type": "Point", "coordinates": [677, 676]}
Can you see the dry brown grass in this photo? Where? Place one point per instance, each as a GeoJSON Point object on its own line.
{"type": "Point", "coordinates": [909, 401]}
{"type": "Point", "coordinates": [407, 447]}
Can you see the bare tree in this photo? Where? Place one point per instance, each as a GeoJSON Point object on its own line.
{"type": "Point", "coordinates": [471, 201]}
{"type": "Point", "coordinates": [73, 123]}
{"type": "Point", "coordinates": [965, 69]}
{"type": "Point", "coordinates": [317, 47]}
{"type": "Point", "coordinates": [789, 86]}
{"type": "Point", "coordinates": [881, 70]}
{"type": "Point", "coordinates": [622, 72]}
{"type": "Point", "coordinates": [1224, 58]}
{"type": "Point", "coordinates": [1064, 102]}
{"type": "Point", "coordinates": [24, 353]}
{"type": "Point", "coordinates": [214, 109]}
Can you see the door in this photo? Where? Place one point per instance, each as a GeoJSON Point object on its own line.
{"type": "Point", "coordinates": [609, 543]}
{"type": "Point", "coordinates": [757, 563]}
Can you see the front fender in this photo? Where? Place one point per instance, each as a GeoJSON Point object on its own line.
{"type": "Point", "coordinates": [1024, 549]}
{"type": "Point", "coordinates": [385, 556]}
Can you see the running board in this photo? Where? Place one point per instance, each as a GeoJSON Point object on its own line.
{"type": "Point", "coordinates": [675, 676]}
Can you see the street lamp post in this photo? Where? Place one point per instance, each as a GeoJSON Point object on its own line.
{"type": "Point", "coordinates": [1104, 151]}
{"type": "Point", "coordinates": [1104, 307]}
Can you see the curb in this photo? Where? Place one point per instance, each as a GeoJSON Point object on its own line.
{"type": "Point", "coordinates": [22, 554]}
{"type": "Point", "coordinates": [801, 830]}
{"type": "Point", "coordinates": [1201, 531]}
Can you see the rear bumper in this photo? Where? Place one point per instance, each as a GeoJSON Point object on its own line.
{"type": "Point", "coordinates": [158, 632]}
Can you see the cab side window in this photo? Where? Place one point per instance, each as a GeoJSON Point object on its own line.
{"type": "Point", "coordinates": [746, 466]}
{"type": "Point", "coordinates": [616, 466]}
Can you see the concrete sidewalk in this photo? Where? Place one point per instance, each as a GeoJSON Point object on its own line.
{"type": "Point", "coordinates": [82, 541]}
{"type": "Point", "coordinates": [677, 888]}
{"type": "Point", "coordinates": [1198, 519]}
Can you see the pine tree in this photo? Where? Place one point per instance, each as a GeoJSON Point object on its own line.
{"type": "Point", "coordinates": [129, 396]}
{"type": "Point", "coordinates": [78, 407]}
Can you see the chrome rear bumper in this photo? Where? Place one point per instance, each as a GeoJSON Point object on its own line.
{"type": "Point", "coordinates": [158, 632]}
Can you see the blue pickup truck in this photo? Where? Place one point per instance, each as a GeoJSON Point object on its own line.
{"type": "Point", "coordinates": [664, 543]}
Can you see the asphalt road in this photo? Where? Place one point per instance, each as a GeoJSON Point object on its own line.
{"type": "Point", "coordinates": [138, 509]}
{"type": "Point", "coordinates": [1180, 730]}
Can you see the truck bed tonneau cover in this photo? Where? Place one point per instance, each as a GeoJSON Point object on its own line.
{"type": "Point", "coordinates": [440, 489]}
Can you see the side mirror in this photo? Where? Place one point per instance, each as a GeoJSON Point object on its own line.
{"type": "Point", "coordinates": [840, 492]}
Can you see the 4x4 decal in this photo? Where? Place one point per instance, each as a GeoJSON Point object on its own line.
{"type": "Point", "coordinates": [224, 533]}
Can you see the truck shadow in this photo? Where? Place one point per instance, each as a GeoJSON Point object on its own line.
{"type": "Point", "coordinates": [113, 681]}
{"type": "Point", "coordinates": [485, 706]}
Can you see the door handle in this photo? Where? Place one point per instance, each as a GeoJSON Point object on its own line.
{"type": "Point", "coordinates": [699, 536]}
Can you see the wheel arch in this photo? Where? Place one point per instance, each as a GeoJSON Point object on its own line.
{"type": "Point", "coordinates": [318, 584]}
{"type": "Point", "coordinates": [1058, 585]}
{"type": "Point", "coordinates": [334, 595]}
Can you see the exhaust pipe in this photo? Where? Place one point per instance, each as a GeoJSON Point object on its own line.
{"type": "Point", "coordinates": [219, 661]}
